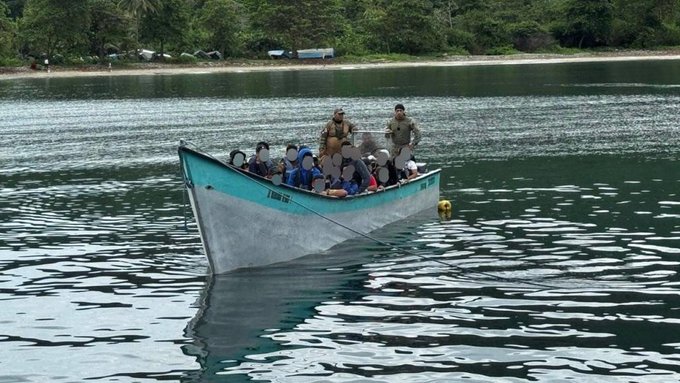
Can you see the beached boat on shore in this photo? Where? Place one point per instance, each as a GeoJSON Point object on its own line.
{"type": "Point", "coordinates": [246, 221]}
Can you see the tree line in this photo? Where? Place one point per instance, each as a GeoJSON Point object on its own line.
{"type": "Point", "coordinates": [73, 29]}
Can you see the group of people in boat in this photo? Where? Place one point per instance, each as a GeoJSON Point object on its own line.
{"type": "Point", "coordinates": [341, 169]}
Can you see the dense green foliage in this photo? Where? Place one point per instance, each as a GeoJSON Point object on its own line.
{"type": "Point", "coordinates": [77, 30]}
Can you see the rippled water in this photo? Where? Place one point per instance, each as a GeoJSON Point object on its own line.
{"type": "Point", "coordinates": [559, 262]}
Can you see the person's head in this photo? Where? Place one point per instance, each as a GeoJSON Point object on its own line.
{"type": "Point", "coordinates": [261, 145]}
{"type": "Point", "coordinates": [399, 111]}
{"type": "Point", "coordinates": [371, 163]}
{"type": "Point", "coordinates": [262, 151]}
{"type": "Point", "coordinates": [305, 159]}
{"type": "Point", "coordinates": [291, 152]}
{"type": "Point", "coordinates": [237, 158]}
{"type": "Point", "coordinates": [338, 114]}
{"type": "Point", "coordinates": [382, 157]}
{"type": "Point", "coordinates": [349, 152]}
{"type": "Point", "coordinates": [406, 153]}
{"type": "Point", "coordinates": [319, 183]}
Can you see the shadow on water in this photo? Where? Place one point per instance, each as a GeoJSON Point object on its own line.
{"type": "Point", "coordinates": [238, 310]}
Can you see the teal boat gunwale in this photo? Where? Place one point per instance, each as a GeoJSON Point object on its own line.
{"type": "Point", "coordinates": [309, 199]}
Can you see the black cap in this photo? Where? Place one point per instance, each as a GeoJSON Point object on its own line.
{"type": "Point", "coordinates": [399, 106]}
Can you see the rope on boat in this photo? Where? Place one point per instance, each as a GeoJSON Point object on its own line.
{"type": "Point", "coordinates": [371, 238]}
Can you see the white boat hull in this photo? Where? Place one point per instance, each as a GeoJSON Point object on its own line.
{"type": "Point", "coordinates": [246, 221]}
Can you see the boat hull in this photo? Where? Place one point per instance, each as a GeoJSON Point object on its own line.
{"type": "Point", "coordinates": [246, 221]}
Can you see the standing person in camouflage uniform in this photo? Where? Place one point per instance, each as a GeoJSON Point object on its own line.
{"type": "Point", "coordinates": [399, 130]}
{"type": "Point", "coordinates": [336, 131]}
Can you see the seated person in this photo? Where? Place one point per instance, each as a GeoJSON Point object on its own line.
{"type": "Point", "coordinates": [372, 165]}
{"type": "Point", "coordinates": [238, 159]}
{"type": "Point", "coordinates": [321, 187]}
{"type": "Point", "coordinates": [355, 177]}
{"type": "Point", "coordinates": [411, 169]}
{"type": "Point", "coordinates": [260, 163]}
{"type": "Point", "coordinates": [386, 172]}
{"type": "Point", "coordinates": [289, 161]}
{"type": "Point", "coordinates": [407, 164]}
{"type": "Point", "coordinates": [303, 175]}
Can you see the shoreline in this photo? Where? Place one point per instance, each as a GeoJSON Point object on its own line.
{"type": "Point", "coordinates": [151, 69]}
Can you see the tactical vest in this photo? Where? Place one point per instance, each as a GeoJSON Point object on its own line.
{"type": "Point", "coordinates": [333, 142]}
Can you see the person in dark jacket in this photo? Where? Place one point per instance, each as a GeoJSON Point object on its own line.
{"type": "Point", "coordinates": [355, 177]}
{"type": "Point", "coordinates": [260, 163]}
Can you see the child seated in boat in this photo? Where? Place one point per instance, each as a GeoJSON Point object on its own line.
{"type": "Point", "coordinates": [372, 165]}
{"type": "Point", "coordinates": [406, 162]}
{"type": "Point", "coordinates": [303, 175]}
{"type": "Point", "coordinates": [385, 172]}
{"type": "Point", "coordinates": [260, 163]}
{"type": "Point", "coordinates": [238, 159]}
{"type": "Point", "coordinates": [354, 176]}
{"type": "Point", "coordinates": [289, 161]}
{"type": "Point", "coordinates": [320, 186]}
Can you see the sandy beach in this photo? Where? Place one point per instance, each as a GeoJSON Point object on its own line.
{"type": "Point", "coordinates": [147, 69]}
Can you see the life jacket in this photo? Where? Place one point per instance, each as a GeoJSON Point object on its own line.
{"type": "Point", "coordinates": [333, 142]}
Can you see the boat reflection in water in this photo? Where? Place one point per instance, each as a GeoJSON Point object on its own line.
{"type": "Point", "coordinates": [238, 309]}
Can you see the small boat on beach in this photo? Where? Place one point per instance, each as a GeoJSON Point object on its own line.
{"type": "Point", "coordinates": [246, 220]}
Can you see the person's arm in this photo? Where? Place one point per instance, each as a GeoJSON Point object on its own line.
{"type": "Point", "coordinates": [388, 130]}
{"type": "Point", "coordinates": [416, 133]}
{"type": "Point", "coordinates": [360, 167]}
{"type": "Point", "coordinates": [322, 141]}
{"type": "Point", "coordinates": [412, 168]}
{"type": "Point", "coordinates": [372, 184]}
{"type": "Point", "coordinates": [270, 169]}
{"type": "Point", "coordinates": [252, 165]}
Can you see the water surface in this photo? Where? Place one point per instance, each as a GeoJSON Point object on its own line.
{"type": "Point", "coordinates": [559, 262]}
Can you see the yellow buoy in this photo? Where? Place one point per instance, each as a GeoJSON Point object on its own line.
{"type": "Point", "coordinates": [444, 206]}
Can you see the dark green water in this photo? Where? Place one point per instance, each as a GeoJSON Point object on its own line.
{"type": "Point", "coordinates": [559, 262]}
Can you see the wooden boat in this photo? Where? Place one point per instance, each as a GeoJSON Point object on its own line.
{"type": "Point", "coordinates": [246, 221]}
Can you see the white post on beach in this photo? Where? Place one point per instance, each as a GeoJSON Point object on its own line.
{"type": "Point", "coordinates": [47, 64]}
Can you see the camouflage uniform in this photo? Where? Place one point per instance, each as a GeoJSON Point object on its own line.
{"type": "Point", "coordinates": [399, 131]}
{"type": "Point", "coordinates": [333, 135]}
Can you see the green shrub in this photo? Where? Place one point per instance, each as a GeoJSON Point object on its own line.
{"type": "Point", "coordinates": [458, 38]}
{"type": "Point", "coordinates": [10, 62]}
{"type": "Point", "coordinates": [457, 51]}
{"type": "Point", "coordinates": [529, 36]}
{"type": "Point", "coordinates": [504, 50]}
{"type": "Point", "coordinates": [350, 42]}
{"type": "Point", "coordinates": [186, 59]}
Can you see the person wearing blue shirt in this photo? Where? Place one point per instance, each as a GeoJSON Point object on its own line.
{"type": "Point", "coordinates": [305, 172]}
